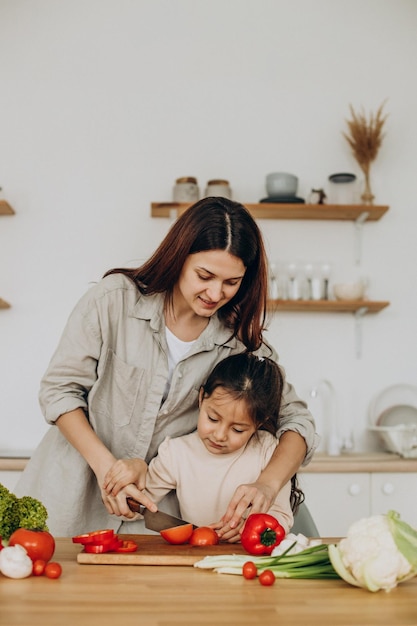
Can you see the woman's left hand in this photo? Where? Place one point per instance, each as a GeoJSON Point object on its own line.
{"type": "Point", "coordinates": [256, 496]}
{"type": "Point", "coordinates": [125, 472]}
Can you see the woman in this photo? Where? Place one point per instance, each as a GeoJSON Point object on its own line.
{"type": "Point", "coordinates": [132, 358]}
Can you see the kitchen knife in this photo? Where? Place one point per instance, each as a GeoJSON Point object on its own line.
{"type": "Point", "coordinates": [155, 521]}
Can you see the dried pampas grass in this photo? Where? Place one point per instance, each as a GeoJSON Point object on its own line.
{"type": "Point", "coordinates": [365, 139]}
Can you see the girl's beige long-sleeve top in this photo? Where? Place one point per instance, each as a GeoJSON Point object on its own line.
{"type": "Point", "coordinates": [205, 482]}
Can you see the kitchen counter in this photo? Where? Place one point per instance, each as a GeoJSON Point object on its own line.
{"type": "Point", "coordinates": [355, 462]}
{"type": "Point", "coordinates": [105, 595]}
{"type": "Point", "coordinates": [379, 462]}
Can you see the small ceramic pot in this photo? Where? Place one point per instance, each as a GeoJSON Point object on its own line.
{"type": "Point", "coordinates": [281, 184]}
{"type": "Point", "coordinates": [186, 189]}
{"type": "Point", "coordinates": [218, 187]}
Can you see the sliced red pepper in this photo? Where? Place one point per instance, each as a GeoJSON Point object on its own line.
{"type": "Point", "coordinates": [101, 548]}
{"type": "Point", "coordinates": [261, 534]}
{"type": "Point", "coordinates": [95, 537]}
{"type": "Point", "coordinates": [127, 546]}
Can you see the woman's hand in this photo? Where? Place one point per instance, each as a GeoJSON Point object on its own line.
{"type": "Point", "coordinates": [117, 505]}
{"type": "Point", "coordinates": [125, 472]}
{"type": "Point", "coordinates": [256, 496]}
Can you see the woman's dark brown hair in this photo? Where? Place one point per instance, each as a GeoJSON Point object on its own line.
{"type": "Point", "coordinates": [213, 223]}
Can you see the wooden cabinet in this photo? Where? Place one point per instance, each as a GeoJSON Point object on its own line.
{"type": "Point", "coordinates": [336, 500]}
{"type": "Point", "coordinates": [5, 209]}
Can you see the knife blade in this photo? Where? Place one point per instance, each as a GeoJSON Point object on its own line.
{"type": "Point", "coordinates": [155, 521]}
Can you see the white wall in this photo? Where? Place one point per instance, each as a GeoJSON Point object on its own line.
{"type": "Point", "coordinates": [105, 102]}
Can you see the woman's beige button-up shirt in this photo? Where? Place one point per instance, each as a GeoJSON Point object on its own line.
{"type": "Point", "coordinates": [112, 362]}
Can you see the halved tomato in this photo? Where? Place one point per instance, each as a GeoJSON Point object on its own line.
{"type": "Point", "coordinates": [177, 534]}
{"type": "Point", "coordinates": [204, 536]}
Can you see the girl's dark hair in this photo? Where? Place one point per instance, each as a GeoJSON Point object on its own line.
{"type": "Point", "coordinates": [259, 382]}
{"type": "Point", "coordinates": [213, 223]}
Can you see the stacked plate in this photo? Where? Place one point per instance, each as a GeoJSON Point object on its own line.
{"type": "Point", "coordinates": [393, 417]}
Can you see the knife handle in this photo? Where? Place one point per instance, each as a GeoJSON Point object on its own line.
{"type": "Point", "coordinates": [134, 505]}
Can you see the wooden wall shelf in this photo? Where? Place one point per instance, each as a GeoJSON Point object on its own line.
{"type": "Point", "coordinates": [346, 212]}
{"type": "Point", "coordinates": [327, 306]}
{"type": "Point", "coordinates": [5, 208]}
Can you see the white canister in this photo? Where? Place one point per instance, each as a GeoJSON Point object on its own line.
{"type": "Point", "coordinates": [218, 187]}
{"type": "Point", "coordinates": [342, 189]}
{"type": "Point", "coordinates": [186, 190]}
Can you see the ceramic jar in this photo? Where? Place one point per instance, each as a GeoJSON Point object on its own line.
{"type": "Point", "coordinates": [186, 190]}
{"type": "Point", "coordinates": [342, 188]}
{"type": "Point", "coordinates": [218, 187]}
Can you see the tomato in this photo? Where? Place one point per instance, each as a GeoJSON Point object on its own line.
{"type": "Point", "coordinates": [204, 536]}
{"type": "Point", "coordinates": [39, 544]}
{"type": "Point", "coordinates": [267, 578]}
{"type": "Point", "coordinates": [249, 570]}
{"type": "Point", "coordinates": [96, 536]}
{"type": "Point", "coordinates": [177, 534]}
{"type": "Point", "coordinates": [53, 570]}
{"type": "Point", "coordinates": [38, 567]}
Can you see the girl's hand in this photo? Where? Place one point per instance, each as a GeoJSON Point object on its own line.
{"type": "Point", "coordinates": [231, 535]}
{"type": "Point", "coordinates": [258, 496]}
{"type": "Point", "coordinates": [125, 472]}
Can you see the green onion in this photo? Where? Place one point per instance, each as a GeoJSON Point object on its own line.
{"type": "Point", "coordinates": [312, 562]}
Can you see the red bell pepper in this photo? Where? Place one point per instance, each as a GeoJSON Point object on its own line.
{"type": "Point", "coordinates": [127, 546]}
{"type": "Point", "coordinates": [101, 541]}
{"type": "Point", "coordinates": [95, 537]}
{"type": "Point", "coordinates": [107, 546]}
{"type": "Point", "coordinates": [261, 534]}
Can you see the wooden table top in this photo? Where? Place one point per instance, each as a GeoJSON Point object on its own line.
{"type": "Point", "coordinates": [127, 595]}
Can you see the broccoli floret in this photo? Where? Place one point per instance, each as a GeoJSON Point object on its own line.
{"type": "Point", "coordinates": [25, 512]}
{"type": "Point", "coordinates": [32, 514]}
{"type": "Point", "coordinates": [9, 512]}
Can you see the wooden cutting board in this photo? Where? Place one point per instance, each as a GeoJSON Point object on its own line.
{"type": "Point", "coordinates": [154, 550]}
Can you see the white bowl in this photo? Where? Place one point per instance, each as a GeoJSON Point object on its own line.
{"type": "Point", "coordinates": [349, 291]}
{"type": "Point", "coordinates": [281, 184]}
{"type": "Point", "coordinates": [401, 439]}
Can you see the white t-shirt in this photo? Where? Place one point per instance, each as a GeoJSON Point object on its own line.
{"type": "Point", "coordinates": [177, 349]}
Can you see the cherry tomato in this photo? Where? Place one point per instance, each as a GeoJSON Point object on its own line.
{"type": "Point", "coordinates": [267, 578]}
{"type": "Point", "coordinates": [39, 544]}
{"type": "Point", "coordinates": [204, 536]}
{"type": "Point", "coordinates": [38, 567]}
{"type": "Point", "coordinates": [96, 536]}
{"type": "Point", "coordinates": [249, 570]}
{"type": "Point", "coordinates": [53, 570]}
{"type": "Point", "coordinates": [177, 534]}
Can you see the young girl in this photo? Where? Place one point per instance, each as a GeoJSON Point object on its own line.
{"type": "Point", "coordinates": [234, 441]}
